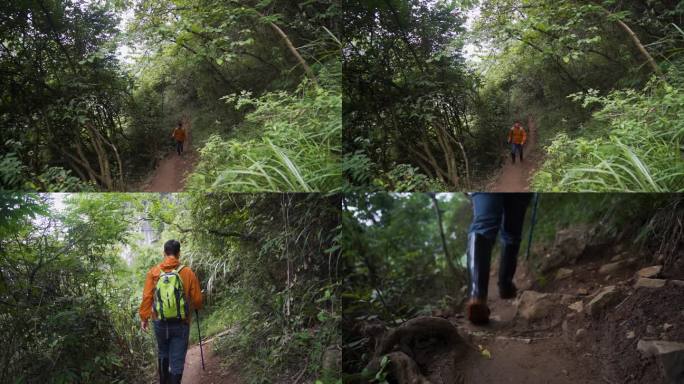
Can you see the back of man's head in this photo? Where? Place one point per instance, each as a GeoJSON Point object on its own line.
{"type": "Point", "coordinates": [172, 248]}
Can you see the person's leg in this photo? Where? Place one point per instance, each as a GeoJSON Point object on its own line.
{"type": "Point", "coordinates": [163, 351]}
{"type": "Point", "coordinates": [181, 147]}
{"type": "Point", "coordinates": [487, 211]}
{"type": "Point", "coordinates": [513, 153]}
{"type": "Point", "coordinates": [178, 147]}
{"type": "Point", "coordinates": [520, 148]}
{"type": "Point", "coordinates": [177, 349]}
{"type": "Point", "coordinates": [514, 208]}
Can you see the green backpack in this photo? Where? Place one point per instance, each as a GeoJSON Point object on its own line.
{"type": "Point", "coordinates": [169, 296]}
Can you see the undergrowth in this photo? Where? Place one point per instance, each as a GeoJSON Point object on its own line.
{"type": "Point", "coordinates": [267, 346]}
{"type": "Point", "coordinates": [294, 142]}
{"type": "Point", "coordinates": [639, 148]}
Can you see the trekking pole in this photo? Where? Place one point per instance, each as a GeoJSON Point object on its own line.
{"type": "Point", "coordinates": [534, 220]}
{"type": "Point", "coordinates": [200, 338]}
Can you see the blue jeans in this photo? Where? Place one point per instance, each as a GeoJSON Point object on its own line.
{"type": "Point", "coordinates": [505, 211]}
{"type": "Point", "coordinates": [179, 147]}
{"type": "Point", "coordinates": [172, 341]}
{"type": "Point", "coordinates": [517, 148]}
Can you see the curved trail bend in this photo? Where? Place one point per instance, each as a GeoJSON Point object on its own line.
{"type": "Point", "coordinates": [516, 177]}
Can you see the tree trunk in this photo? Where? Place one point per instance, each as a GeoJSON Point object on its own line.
{"type": "Point", "coordinates": [635, 39]}
{"type": "Point", "coordinates": [294, 51]}
{"type": "Point", "coordinates": [102, 158]}
{"type": "Point", "coordinates": [447, 254]}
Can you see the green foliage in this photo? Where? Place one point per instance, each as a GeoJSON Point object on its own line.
{"type": "Point", "coordinates": [270, 267]}
{"type": "Point", "coordinates": [16, 176]}
{"type": "Point", "coordinates": [413, 102]}
{"type": "Point", "coordinates": [555, 51]}
{"type": "Point", "coordinates": [394, 252]}
{"type": "Point", "coordinates": [359, 170]}
{"type": "Point", "coordinates": [60, 97]}
{"type": "Point", "coordinates": [76, 118]}
{"type": "Point", "coordinates": [405, 177]}
{"type": "Point", "coordinates": [407, 95]}
{"type": "Point", "coordinates": [61, 314]}
{"type": "Point", "coordinates": [300, 153]}
{"type": "Point", "coordinates": [283, 134]}
{"type": "Point", "coordinates": [640, 152]}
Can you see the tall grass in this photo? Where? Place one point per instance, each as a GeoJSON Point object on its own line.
{"type": "Point", "coordinates": [638, 150]}
{"type": "Point", "coordinates": [297, 145]}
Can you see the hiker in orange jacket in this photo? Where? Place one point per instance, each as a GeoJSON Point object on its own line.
{"type": "Point", "coordinates": [172, 334]}
{"type": "Point", "coordinates": [517, 138]}
{"type": "Point", "coordinates": [179, 135]}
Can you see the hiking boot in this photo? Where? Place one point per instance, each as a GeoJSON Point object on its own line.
{"type": "Point", "coordinates": [163, 371]}
{"type": "Point", "coordinates": [507, 265]}
{"type": "Point", "coordinates": [477, 311]}
{"type": "Point", "coordinates": [479, 252]}
{"type": "Point", "coordinates": [176, 378]}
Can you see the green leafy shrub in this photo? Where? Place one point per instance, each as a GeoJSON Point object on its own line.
{"type": "Point", "coordinates": [275, 288]}
{"type": "Point", "coordinates": [71, 323]}
{"type": "Point", "coordinates": [363, 175]}
{"type": "Point", "coordinates": [298, 148]}
{"type": "Point", "coordinates": [405, 177]}
{"type": "Point", "coordinates": [14, 175]}
{"type": "Point", "coordinates": [638, 149]}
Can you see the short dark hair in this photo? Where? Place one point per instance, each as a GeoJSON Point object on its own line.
{"type": "Point", "coordinates": [172, 247]}
{"type": "Point", "coordinates": [180, 123]}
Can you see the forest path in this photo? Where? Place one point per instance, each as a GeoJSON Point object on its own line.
{"type": "Point", "coordinates": [173, 169]}
{"type": "Point", "coordinates": [516, 177]}
{"type": "Point", "coordinates": [519, 354]}
{"type": "Point", "coordinates": [213, 372]}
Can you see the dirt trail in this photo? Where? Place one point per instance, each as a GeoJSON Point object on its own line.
{"type": "Point", "coordinates": [518, 355]}
{"type": "Point", "coordinates": [172, 170]}
{"type": "Point", "coordinates": [582, 323]}
{"type": "Point", "coordinates": [516, 177]}
{"type": "Point", "coordinates": [213, 372]}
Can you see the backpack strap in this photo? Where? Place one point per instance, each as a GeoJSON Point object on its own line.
{"type": "Point", "coordinates": [179, 287]}
{"type": "Point", "coordinates": [157, 296]}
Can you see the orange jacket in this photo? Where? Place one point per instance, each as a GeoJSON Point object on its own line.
{"type": "Point", "coordinates": [191, 286]}
{"type": "Point", "coordinates": [178, 134]}
{"type": "Point", "coordinates": [517, 135]}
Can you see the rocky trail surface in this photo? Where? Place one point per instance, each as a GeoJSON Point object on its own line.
{"type": "Point", "coordinates": [510, 349]}
{"type": "Point", "coordinates": [615, 318]}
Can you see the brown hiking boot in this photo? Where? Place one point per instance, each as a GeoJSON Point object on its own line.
{"type": "Point", "coordinates": [477, 311]}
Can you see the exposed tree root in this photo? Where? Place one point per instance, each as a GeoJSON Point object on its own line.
{"type": "Point", "coordinates": [423, 350]}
